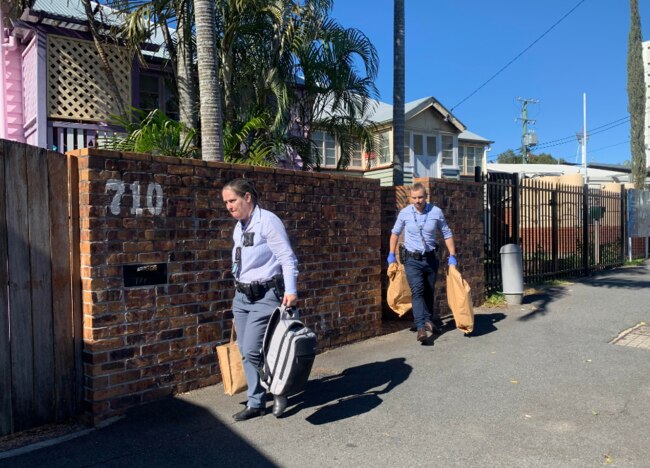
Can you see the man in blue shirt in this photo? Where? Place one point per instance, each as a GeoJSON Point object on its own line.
{"type": "Point", "coordinates": [421, 221]}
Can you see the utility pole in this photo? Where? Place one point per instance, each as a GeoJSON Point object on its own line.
{"type": "Point", "coordinates": [582, 138]}
{"type": "Point", "coordinates": [584, 135]}
{"type": "Point", "coordinates": [527, 138]}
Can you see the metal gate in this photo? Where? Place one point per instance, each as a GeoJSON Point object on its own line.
{"type": "Point", "coordinates": [563, 230]}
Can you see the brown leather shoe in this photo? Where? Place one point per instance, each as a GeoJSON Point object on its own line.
{"type": "Point", "coordinates": [431, 328]}
{"type": "Point", "coordinates": [422, 335]}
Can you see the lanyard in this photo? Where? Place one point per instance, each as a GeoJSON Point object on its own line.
{"type": "Point", "coordinates": [421, 225]}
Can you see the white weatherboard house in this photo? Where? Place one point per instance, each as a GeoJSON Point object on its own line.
{"type": "Point", "coordinates": [436, 144]}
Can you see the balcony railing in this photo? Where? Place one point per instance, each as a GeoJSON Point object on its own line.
{"type": "Point", "coordinates": [68, 136]}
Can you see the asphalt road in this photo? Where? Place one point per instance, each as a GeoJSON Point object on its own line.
{"type": "Point", "coordinates": [537, 385]}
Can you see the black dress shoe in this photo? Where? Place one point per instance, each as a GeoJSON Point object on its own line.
{"type": "Point", "coordinates": [279, 405]}
{"type": "Point", "coordinates": [422, 335]}
{"type": "Point", "coordinates": [248, 413]}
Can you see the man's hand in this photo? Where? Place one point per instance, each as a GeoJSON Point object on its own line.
{"type": "Point", "coordinates": [452, 261]}
{"type": "Point", "coordinates": [391, 258]}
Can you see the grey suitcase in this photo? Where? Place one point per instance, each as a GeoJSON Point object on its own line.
{"type": "Point", "coordinates": [288, 352]}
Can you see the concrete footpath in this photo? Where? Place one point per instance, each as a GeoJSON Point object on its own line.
{"type": "Point", "coordinates": [538, 385]}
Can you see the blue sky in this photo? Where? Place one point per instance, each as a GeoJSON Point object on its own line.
{"type": "Point", "coordinates": [454, 46]}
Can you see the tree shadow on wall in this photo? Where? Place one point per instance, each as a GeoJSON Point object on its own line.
{"type": "Point", "coordinates": [353, 392]}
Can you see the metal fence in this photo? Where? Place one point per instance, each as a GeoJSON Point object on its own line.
{"type": "Point", "coordinates": [563, 230]}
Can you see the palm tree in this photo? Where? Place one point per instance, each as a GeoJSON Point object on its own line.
{"type": "Point", "coordinates": [399, 88]}
{"type": "Point", "coordinates": [263, 46]}
{"type": "Point", "coordinates": [335, 96]}
{"type": "Point", "coordinates": [209, 87]}
{"type": "Point", "coordinates": [142, 18]}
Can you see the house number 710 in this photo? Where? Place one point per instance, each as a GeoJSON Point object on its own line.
{"type": "Point", "coordinates": [154, 198]}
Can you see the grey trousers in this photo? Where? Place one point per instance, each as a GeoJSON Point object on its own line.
{"type": "Point", "coordinates": [251, 319]}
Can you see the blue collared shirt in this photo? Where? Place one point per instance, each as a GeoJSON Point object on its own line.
{"type": "Point", "coordinates": [270, 253]}
{"type": "Point", "coordinates": [421, 228]}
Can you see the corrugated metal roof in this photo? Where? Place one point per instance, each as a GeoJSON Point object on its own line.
{"type": "Point", "coordinates": [69, 13]}
{"type": "Point", "coordinates": [74, 10]}
{"type": "Point", "coordinates": [471, 136]}
{"type": "Point", "coordinates": [384, 112]}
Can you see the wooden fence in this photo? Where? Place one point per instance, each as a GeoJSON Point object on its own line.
{"type": "Point", "coordinates": [40, 342]}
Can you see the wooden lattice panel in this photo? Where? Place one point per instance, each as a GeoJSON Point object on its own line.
{"type": "Point", "coordinates": [77, 85]}
{"type": "Point", "coordinates": [30, 96]}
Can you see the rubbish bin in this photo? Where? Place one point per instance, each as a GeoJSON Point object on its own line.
{"type": "Point", "coordinates": [512, 273]}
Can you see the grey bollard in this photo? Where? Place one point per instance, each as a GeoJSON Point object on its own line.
{"type": "Point", "coordinates": [512, 273]}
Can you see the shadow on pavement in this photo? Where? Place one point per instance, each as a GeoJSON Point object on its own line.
{"type": "Point", "coordinates": [603, 280]}
{"type": "Point", "coordinates": [171, 432]}
{"type": "Point", "coordinates": [484, 323]}
{"type": "Point", "coordinates": [541, 299]}
{"type": "Point", "coordinates": [350, 393]}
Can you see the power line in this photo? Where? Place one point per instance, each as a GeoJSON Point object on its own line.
{"type": "Point", "coordinates": [589, 134]}
{"type": "Point", "coordinates": [610, 146]}
{"type": "Point", "coordinates": [518, 55]}
{"type": "Point", "coordinates": [591, 131]}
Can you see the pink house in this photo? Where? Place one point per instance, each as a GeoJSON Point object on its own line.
{"type": "Point", "coordinates": [54, 93]}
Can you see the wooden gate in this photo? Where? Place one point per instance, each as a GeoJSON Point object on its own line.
{"type": "Point", "coordinates": [40, 321]}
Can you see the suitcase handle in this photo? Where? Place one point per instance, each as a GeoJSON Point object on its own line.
{"type": "Point", "coordinates": [289, 311]}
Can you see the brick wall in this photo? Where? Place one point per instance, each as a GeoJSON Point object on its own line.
{"type": "Point", "coordinates": [462, 204]}
{"type": "Point", "coordinates": [145, 342]}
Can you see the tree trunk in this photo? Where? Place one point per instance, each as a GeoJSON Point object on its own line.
{"type": "Point", "coordinates": [209, 88]}
{"type": "Point", "coordinates": [184, 71]}
{"type": "Point", "coordinates": [399, 88]}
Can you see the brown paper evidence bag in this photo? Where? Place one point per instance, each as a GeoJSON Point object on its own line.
{"type": "Point", "coordinates": [230, 363]}
{"type": "Point", "coordinates": [459, 298]}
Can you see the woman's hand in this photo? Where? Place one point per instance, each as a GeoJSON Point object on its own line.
{"type": "Point", "coordinates": [289, 300]}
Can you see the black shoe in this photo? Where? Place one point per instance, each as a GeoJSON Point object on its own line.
{"type": "Point", "coordinates": [248, 413]}
{"type": "Point", "coordinates": [422, 335]}
{"type": "Point", "coordinates": [279, 405]}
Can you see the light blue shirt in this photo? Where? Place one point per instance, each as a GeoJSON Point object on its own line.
{"type": "Point", "coordinates": [421, 228]}
{"type": "Point", "coordinates": [270, 253]}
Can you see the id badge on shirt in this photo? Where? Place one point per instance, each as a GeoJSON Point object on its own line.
{"type": "Point", "coordinates": [249, 238]}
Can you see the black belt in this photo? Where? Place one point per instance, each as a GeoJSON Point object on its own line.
{"type": "Point", "coordinates": [257, 289]}
{"type": "Point", "coordinates": [420, 256]}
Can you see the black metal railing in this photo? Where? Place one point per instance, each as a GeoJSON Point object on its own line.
{"type": "Point", "coordinates": [563, 230]}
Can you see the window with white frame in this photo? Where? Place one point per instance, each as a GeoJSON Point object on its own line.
{"type": "Point", "coordinates": [407, 147]}
{"type": "Point", "coordinates": [447, 150]}
{"type": "Point", "coordinates": [469, 156]}
{"type": "Point", "coordinates": [325, 147]}
{"type": "Point", "coordinates": [355, 160]}
{"type": "Point", "coordinates": [381, 155]}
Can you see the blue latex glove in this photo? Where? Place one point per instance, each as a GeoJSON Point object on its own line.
{"type": "Point", "coordinates": [391, 258]}
{"type": "Point", "coordinates": [452, 261]}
